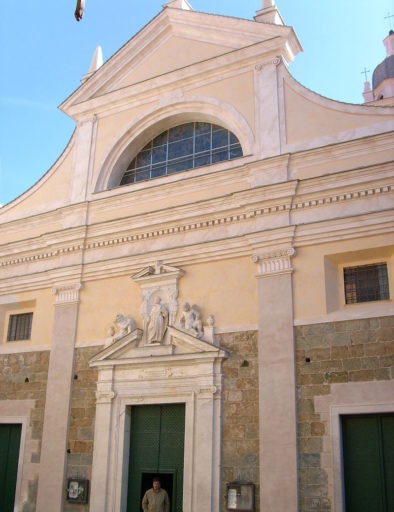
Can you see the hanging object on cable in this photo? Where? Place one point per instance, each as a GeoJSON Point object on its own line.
{"type": "Point", "coordinates": [79, 10]}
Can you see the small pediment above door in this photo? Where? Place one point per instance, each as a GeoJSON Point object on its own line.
{"type": "Point", "coordinates": [157, 272]}
{"type": "Point", "coordinates": [177, 345]}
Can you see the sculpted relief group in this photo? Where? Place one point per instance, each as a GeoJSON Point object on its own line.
{"type": "Point", "coordinates": [159, 309]}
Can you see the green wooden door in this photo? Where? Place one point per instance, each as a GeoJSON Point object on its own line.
{"type": "Point", "coordinates": [157, 434]}
{"type": "Point", "coordinates": [10, 438]}
{"type": "Point", "coordinates": [368, 455]}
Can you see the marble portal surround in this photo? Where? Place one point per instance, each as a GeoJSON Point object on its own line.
{"type": "Point", "coordinates": [182, 369]}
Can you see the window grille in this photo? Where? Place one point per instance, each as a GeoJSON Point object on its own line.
{"type": "Point", "coordinates": [366, 283]}
{"type": "Point", "coordinates": [19, 327]}
{"type": "Point", "coordinates": [186, 146]}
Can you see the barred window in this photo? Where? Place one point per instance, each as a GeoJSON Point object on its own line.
{"type": "Point", "coordinates": [366, 283]}
{"type": "Point", "coordinates": [19, 327]}
{"type": "Point", "coordinates": [186, 146]}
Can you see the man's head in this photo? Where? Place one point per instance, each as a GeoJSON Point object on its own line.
{"type": "Point", "coordinates": [156, 484]}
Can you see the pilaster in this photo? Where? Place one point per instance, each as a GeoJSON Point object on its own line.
{"type": "Point", "coordinates": [102, 436]}
{"type": "Point", "coordinates": [277, 382]}
{"type": "Point", "coordinates": [57, 405]}
{"type": "Point", "coordinates": [83, 159]}
{"type": "Point", "coordinates": [267, 107]}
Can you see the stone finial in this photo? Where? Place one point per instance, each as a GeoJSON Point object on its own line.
{"type": "Point", "coordinates": [269, 13]}
{"type": "Point", "coordinates": [97, 60]}
{"type": "Point", "coordinates": [179, 4]}
{"type": "Point", "coordinates": [96, 63]}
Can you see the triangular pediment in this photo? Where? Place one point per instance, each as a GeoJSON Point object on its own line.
{"type": "Point", "coordinates": [175, 40]}
{"type": "Point", "coordinates": [158, 272]}
{"type": "Point", "coordinates": [176, 344]}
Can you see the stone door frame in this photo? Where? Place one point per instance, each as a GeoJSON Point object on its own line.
{"type": "Point", "coordinates": [22, 410]}
{"type": "Point", "coordinates": [347, 398]}
{"type": "Point", "coordinates": [183, 370]}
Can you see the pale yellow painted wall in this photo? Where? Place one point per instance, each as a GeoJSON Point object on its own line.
{"type": "Point", "coordinates": [160, 60]}
{"type": "Point", "coordinates": [41, 304]}
{"type": "Point", "coordinates": [238, 91]}
{"type": "Point", "coordinates": [52, 192]}
{"type": "Point", "coordinates": [110, 128]}
{"type": "Point", "coordinates": [227, 289]}
{"type": "Point", "coordinates": [101, 301]}
{"type": "Point", "coordinates": [307, 120]}
{"type": "Point", "coordinates": [312, 277]}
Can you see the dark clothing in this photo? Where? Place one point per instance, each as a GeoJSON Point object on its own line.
{"type": "Point", "coordinates": [156, 501]}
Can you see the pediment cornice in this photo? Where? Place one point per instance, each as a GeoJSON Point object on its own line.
{"type": "Point", "coordinates": [243, 39]}
{"type": "Point", "coordinates": [177, 346]}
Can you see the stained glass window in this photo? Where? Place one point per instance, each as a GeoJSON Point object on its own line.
{"type": "Point", "coordinates": [183, 147]}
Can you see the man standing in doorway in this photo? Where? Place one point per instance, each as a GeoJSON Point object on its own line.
{"type": "Point", "coordinates": [156, 499]}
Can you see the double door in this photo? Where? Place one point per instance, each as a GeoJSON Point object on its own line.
{"type": "Point", "coordinates": [10, 438]}
{"type": "Point", "coordinates": [157, 436]}
{"type": "Point", "coordinates": [368, 456]}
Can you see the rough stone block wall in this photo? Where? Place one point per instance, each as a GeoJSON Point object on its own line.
{"type": "Point", "coordinates": [329, 353]}
{"type": "Point", "coordinates": [24, 377]}
{"type": "Point", "coordinates": [81, 428]}
{"type": "Point", "coordinates": [240, 415]}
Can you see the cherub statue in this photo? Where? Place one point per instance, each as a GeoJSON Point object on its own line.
{"type": "Point", "coordinates": [197, 324]}
{"type": "Point", "coordinates": [190, 320]}
{"type": "Point", "coordinates": [187, 317]}
{"type": "Point", "coordinates": [124, 325]}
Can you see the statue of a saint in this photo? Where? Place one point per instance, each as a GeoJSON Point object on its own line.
{"type": "Point", "coordinates": [158, 321]}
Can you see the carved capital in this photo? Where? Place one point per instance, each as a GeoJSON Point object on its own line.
{"type": "Point", "coordinates": [105, 397]}
{"type": "Point", "coordinates": [275, 262]}
{"type": "Point", "coordinates": [207, 391]}
{"type": "Point", "coordinates": [275, 61]}
{"type": "Point", "coordinates": [67, 293]}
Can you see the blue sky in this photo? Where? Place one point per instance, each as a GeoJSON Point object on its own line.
{"type": "Point", "coordinates": [44, 52]}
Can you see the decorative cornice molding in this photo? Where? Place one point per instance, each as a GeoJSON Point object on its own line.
{"type": "Point", "coordinates": [43, 255]}
{"type": "Point", "coordinates": [275, 262]}
{"type": "Point", "coordinates": [282, 204]}
{"type": "Point", "coordinates": [67, 293]}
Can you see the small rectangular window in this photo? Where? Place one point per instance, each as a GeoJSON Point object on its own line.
{"type": "Point", "coordinates": [366, 283]}
{"type": "Point", "coordinates": [19, 327]}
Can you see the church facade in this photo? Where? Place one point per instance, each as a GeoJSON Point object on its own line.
{"type": "Point", "coordinates": [201, 286]}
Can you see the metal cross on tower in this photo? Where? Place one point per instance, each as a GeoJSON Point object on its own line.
{"type": "Point", "coordinates": [364, 72]}
{"type": "Point", "coordinates": [388, 17]}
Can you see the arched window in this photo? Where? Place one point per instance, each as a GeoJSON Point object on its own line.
{"type": "Point", "coordinates": [186, 146]}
